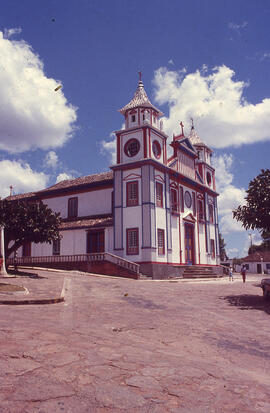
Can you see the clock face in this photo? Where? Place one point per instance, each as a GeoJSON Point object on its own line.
{"type": "Point", "coordinates": [132, 147]}
{"type": "Point", "coordinates": [156, 148]}
{"type": "Point", "coordinates": [188, 200]}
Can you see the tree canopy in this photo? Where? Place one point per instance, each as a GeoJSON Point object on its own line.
{"type": "Point", "coordinates": [222, 245]}
{"type": "Point", "coordinates": [256, 213]}
{"type": "Point", "coordinates": [27, 222]}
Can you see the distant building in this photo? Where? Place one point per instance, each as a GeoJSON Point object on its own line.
{"type": "Point", "coordinates": [256, 263]}
{"type": "Point", "coordinates": [157, 212]}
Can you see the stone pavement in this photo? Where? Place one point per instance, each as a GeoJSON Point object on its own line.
{"type": "Point", "coordinates": [120, 345]}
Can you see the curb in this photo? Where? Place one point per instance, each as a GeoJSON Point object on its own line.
{"type": "Point", "coordinates": [33, 301]}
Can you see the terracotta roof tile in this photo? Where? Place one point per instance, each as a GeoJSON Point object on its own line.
{"type": "Point", "coordinates": [256, 257]}
{"type": "Point", "coordinates": [88, 222]}
{"type": "Point", "coordinates": [66, 184]}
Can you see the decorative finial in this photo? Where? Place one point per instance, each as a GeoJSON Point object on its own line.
{"type": "Point", "coordinates": [10, 190]}
{"type": "Point", "coordinates": [140, 76]}
{"type": "Point", "coordinates": [192, 123]}
{"type": "Point", "coordinates": [182, 127]}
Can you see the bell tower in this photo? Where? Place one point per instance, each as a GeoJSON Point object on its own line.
{"type": "Point", "coordinates": [142, 137]}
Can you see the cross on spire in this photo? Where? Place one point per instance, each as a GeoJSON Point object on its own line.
{"type": "Point", "coordinates": [10, 190]}
{"type": "Point", "coordinates": [182, 127]}
{"type": "Point", "coordinates": [140, 76]}
{"type": "Point", "coordinates": [192, 123]}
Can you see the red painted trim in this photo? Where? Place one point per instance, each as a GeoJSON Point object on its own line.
{"type": "Point", "coordinates": [144, 143]}
{"type": "Point", "coordinates": [139, 117]}
{"type": "Point", "coordinates": [131, 176]}
{"type": "Point", "coordinates": [182, 199]}
{"type": "Point", "coordinates": [160, 177]}
{"type": "Point", "coordinates": [118, 139]}
{"type": "Point", "coordinates": [194, 203]}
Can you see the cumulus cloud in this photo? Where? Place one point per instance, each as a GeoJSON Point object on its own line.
{"type": "Point", "coordinates": [108, 147]}
{"type": "Point", "coordinates": [51, 160]}
{"type": "Point", "coordinates": [21, 177]}
{"type": "Point", "coordinates": [237, 27]}
{"type": "Point", "coordinates": [63, 177]}
{"type": "Point", "coordinates": [32, 114]}
{"type": "Point", "coordinates": [8, 33]}
{"type": "Point", "coordinates": [216, 102]}
{"type": "Point", "coordinates": [230, 196]}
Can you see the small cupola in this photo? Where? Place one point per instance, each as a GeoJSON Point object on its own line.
{"type": "Point", "coordinates": [140, 111]}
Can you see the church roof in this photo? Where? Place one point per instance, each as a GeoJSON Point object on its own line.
{"type": "Point", "coordinates": [66, 185]}
{"type": "Point", "coordinates": [87, 222]}
{"type": "Point", "coordinates": [195, 139]}
{"type": "Point", "coordinates": [140, 98]}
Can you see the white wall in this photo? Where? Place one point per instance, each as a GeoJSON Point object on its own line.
{"type": "Point", "coordinates": [89, 203]}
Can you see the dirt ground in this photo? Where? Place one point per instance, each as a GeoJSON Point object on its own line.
{"type": "Point", "coordinates": [119, 345]}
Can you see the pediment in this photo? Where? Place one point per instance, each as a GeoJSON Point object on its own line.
{"type": "Point", "coordinates": [189, 218]}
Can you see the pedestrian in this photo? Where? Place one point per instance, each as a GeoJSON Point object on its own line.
{"type": "Point", "coordinates": [230, 274]}
{"type": "Point", "coordinates": [243, 273]}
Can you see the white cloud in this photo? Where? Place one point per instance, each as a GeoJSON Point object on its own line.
{"type": "Point", "coordinates": [21, 177]}
{"type": "Point", "coordinates": [8, 33]}
{"type": "Point", "coordinates": [51, 160]}
{"type": "Point", "coordinates": [237, 27]}
{"type": "Point", "coordinates": [216, 102]}
{"type": "Point", "coordinates": [32, 114]}
{"type": "Point", "coordinates": [63, 177]}
{"type": "Point", "coordinates": [171, 62]}
{"type": "Point", "coordinates": [229, 195]}
{"type": "Point", "coordinates": [108, 147]}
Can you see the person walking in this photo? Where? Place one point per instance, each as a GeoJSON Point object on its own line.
{"type": "Point", "coordinates": [243, 273]}
{"type": "Point", "coordinates": [230, 274]}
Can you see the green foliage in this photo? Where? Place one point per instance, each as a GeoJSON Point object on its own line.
{"type": "Point", "coordinates": [264, 246]}
{"type": "Point", "coordinates": [256, 213]}
{"type": "Point", "coordinates": [27, 222]}
{"type": "Point", "coordinates": [222, 245]}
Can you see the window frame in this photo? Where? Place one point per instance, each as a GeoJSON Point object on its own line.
{"type": "Point", "coordinates": [159, 194]}
{"type": "Point", "coordinates": [174, 201]}
{"type": "Point", "coordinates": [72, 209]}
{"type": "Point", "coordinates": [128, 143]}
{"type": "Point", "coordinates": [211, 213]}
{"type": "Point", "coordinates": [161, 245]}
{"type": "Point", "coordinates": [212, 248]}
{"type": "Point", "coordinates": [200, 210]}
{"type": "Point", "coordinates": [134, 249]}
{"type": "Point", "coordinates": [129, 201]}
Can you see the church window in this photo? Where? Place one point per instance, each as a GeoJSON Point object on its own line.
{"type": "Point", "coordinates": [208, 178]}
{"type": "Point", "coordinates": [188, 200]}
{"type": "Point", "coordinates": [56, 247]}
{"type": "Point", "coordinates": [156, 148]}
{"type": "Point", "coordinates": [200, 210]}
{"type": "Point", "coordinates": [212, 244]}
{"type": "Point", "coordinates": [132, 241]}
{"type": "Point", "coordinates": [132, 193]}
{"type": "Point", "coordinates": [161, 243]}
{"type": "Point", "coordinates": [211, 213]}
{"type": "Point", "coordinates": [132, 147]}
{"type": "Point", "coordinates": [174, 201]}
{"type": "Point", "coordinates": [159, 194]}
{"type": "Point", "coordinates": [73, 207]}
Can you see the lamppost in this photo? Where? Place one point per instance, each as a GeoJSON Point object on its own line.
{"type": "Point", "coordinates": [3, 271]}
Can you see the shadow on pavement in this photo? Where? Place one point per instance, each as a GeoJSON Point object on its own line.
{"type": "Point", "coordinates": [248, 302]}
{"type": "Point", "coordinates": [24, 274]}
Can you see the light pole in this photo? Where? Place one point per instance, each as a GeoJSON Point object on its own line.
{"type": "Point", "coordinates": [3, 271]}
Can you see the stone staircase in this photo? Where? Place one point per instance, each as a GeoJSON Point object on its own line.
{"type": "Point", "coordinates": [195, 271]}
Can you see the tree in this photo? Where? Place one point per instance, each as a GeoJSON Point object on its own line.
{"type": "Point", "coordinates": [256, 213]}
{"type": "Point", "coordinates": [27, 222]}
{"type": "Point", "coordinates": [222, 245]}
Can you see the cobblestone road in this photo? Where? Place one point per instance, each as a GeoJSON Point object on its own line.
{"type": "Point", "coordinates": [118, 345]}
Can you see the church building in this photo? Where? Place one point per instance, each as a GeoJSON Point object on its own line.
{"type": "Point", "coordinates": [150, 214]}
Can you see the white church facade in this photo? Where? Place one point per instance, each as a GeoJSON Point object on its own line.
{"type": "Point", "coordinates": [157, 212]}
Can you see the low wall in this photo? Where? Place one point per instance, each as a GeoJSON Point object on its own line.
{"type": "Point", "coordinates": [95, 267]}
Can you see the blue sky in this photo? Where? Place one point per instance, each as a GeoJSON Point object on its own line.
{"type": "Point", "coordinates": [207, 59]}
